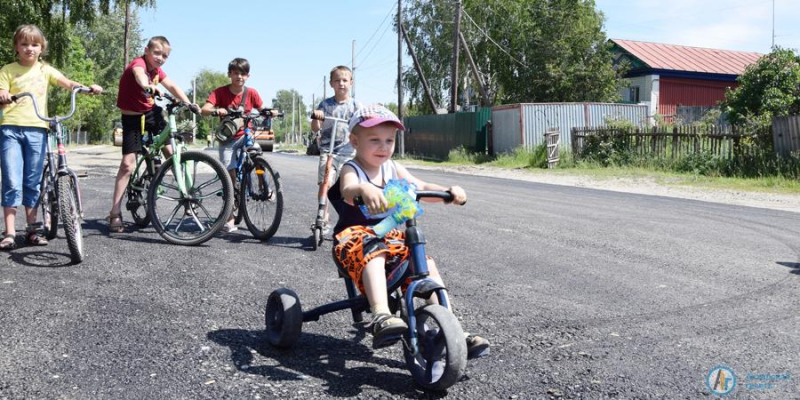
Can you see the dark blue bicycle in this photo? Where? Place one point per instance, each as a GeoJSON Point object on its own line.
{"type": "Point", "coordinates": [258, 199]}
{"type": "Point", "coordinates": [434, 347]}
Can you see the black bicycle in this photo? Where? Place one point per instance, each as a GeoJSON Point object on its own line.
{"type": "Point", "coordinates": [60, 191]}
{"type": "Point", "coordinates": [258, 192]}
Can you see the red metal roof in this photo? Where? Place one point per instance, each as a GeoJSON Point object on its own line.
{"type": "Point", "coordinates": [690, 59]}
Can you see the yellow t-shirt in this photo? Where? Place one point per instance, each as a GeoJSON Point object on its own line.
{"type": "Point", "coordinates": [17, 79]}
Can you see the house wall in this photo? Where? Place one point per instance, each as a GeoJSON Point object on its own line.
{"type": "Point", "coordinates": [689, 92]}
{"type": "Point", "coordinates": [645, 85]}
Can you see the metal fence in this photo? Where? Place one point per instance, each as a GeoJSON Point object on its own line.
{"type": "Point", "coordinates": [433, 136]}
{"type": "Point", "coordinates": [525, 125]}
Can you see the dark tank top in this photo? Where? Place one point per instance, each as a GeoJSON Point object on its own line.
{"type": "Point", "coordinates": [351, 215]}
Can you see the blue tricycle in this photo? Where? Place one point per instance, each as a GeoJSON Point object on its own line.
{"type": "Point", "coordinates": [434, 346]}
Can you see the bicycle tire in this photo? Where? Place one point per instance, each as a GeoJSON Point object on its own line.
{"type": "Point", "coordinates": [162, 195]}
{"type": "Point", "coordinates": [48, 202]}
{"type": "Point", "coordinates": [137, 198]}
{"type": "Point", "coordinates": [261, 199]}
{"type": "Point", "coordinates": [71, 217]}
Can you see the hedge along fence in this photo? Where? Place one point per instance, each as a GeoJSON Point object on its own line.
{"type": "Point", "coordinates": [727, 151]}
{"type": "Point", "coordinates": [678, 142]}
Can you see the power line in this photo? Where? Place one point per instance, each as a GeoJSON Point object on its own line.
{"type": "Point", "coordinates": [375, 44]}
{"type": "Point", "coordinates": [376, 30]}
{"type": "Point", "coordinates": [492, 40]}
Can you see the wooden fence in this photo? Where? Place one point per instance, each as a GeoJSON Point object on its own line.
{"type": "Point", "coordinates": [786, 135]}
{"type": "Point", "coordinates": [678, 142]}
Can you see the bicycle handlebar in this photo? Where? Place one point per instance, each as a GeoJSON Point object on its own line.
{"type": "Point", "coordinates": [265, 112]}
{"type": "Point", "coordinates": [325, 118]}
{"type": "Point", "coordinates": [75, 90]}
{"type": "Point", "coordinates": [422, 194]}
{"type": "Point", "coordinates": [175, 103]}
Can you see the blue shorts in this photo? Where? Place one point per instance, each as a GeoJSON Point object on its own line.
{"type": "Point", "coordinates": [22, 151]}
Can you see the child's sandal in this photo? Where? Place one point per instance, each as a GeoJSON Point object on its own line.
{"type": "Point", "coordinates": [8, 242]}
{"type": "Point", "coordinates": [386, 330]}
{"type": "Point", "coordinates": [32, 236]}
{"type": "Point", "coordinates": [115, 223]}
{"type": "Point", "coordinates": [476, 346]}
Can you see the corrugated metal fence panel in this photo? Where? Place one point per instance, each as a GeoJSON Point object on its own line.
{"type": "Point", "coordinates": [537, 118]}
{"type": "Point", "coordinates": [599, 112]}
{"type": "Point", "coordinates": [435, 135]}
{"type": "Point", "coordinates": [506, 128]}
{"type": "Point", "coordinates": [786, 135]}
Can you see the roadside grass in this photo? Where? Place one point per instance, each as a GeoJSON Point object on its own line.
{"type": "Point", "coordinates": [535, 162]}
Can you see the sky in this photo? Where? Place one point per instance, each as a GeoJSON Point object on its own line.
{"type": "Point", "coordinates": [294, 44]}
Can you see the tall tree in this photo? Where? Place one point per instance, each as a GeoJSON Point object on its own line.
{"type": "Point", "coordinates": [205, 82]}
{"type": "Point", "coordinates": [283, 101]}
{"type": "Point", "coordinates": [54, 17]}
{"type": "Point", "coordinates": [526, 50]}
{"type": "Point", "coordinates": [767, 89]}
{"type": "Point", "coordinates": [127, 6]}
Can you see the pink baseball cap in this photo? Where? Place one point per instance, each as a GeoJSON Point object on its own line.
{"type": "Point", "coordinates": [374, 115]}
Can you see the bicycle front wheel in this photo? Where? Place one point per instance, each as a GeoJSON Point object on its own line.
{"type": "Point", "coordinates": [71, 216]}
{"type": "Point", "coordinates": [193, 217]}
{"type": "Point", "coordinates": [261, 199]}
{"type": "Point", "coordinates": [48, 203]}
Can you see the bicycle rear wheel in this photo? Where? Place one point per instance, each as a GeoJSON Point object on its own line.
{"type": "Point", "coordinates": [137, 195]}
{"type": "Point", "coordinates": [48, 202]}
{"type": "Point", "coordinates": [261, 199]}
{"type": "Point", "coordinates": [71, 216]}
{"type": "Point", "coordinates": [192, 218]}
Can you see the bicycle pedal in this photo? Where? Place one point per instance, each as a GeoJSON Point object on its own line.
{"type": "Point", "coordinates": [386, 341]}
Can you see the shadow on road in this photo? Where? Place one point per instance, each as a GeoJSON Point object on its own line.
{"type": "Point", "coordinates": [319, 356]}
{"type": "Point", "coordinates": [41, 259]}
{"type": "Point", "coordinates": [793, 266]}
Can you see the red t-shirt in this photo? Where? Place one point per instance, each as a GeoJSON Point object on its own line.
{"type": "Point", "coordinates": [222, 97]}
{"type": "Point", "coordinates": [131, 96]}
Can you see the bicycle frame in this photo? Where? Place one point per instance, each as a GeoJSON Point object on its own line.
{"type": "Point", "coordinates": [169, 134]}
{"type": "Point", "coordinates": [58, 164]}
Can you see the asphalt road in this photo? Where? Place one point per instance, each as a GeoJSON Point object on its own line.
{"type": "Point", "coordinates": [583, 294]}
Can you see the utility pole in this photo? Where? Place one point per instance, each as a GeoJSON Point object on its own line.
{"type": "Point", "coordinates": [425, 86]}
{"type": "Point", "coordinates": [484, 97]}
{"type": "Point", "coordinates": [773, 25]}
{"type": "Point", "coordinates": [353, 67]}
{"type": "Point", "coordinates": [401, 137]}
{"type": "Point", "coordinates": [291, 135]}
{"type": "Point", "coordinates": [324, 89]}
{"type": "Point", "coordinates": [194, 101]}
{"type": "Point", "coordinates": [454, 69]}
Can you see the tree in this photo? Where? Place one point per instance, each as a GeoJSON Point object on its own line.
{"type": "Point", "coordinates": [53, 17]}
{"type": "Point", "coordinates": [767, 89]}
{"type": "Point", "coordinates": [526, 50]}
{"type": "Point", "coordinates": [283, 101]}
{"type": "Point", "coordinates": [205, 82]}
{"type": "Point", "coordinates": [125, 5]}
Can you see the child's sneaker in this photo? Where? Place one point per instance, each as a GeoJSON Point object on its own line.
{"type": "Point", "coordinates": [386, 330]}
{"type": "Point", "coordinates": [476, 346]}
{"type": "Point", "coordinates": [230, 227]}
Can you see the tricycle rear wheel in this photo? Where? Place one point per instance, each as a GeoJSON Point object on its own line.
{"type": "Point", "coordinates": [283, 318]}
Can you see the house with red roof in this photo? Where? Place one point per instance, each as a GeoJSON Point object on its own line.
{"type": "Point", "coordinates": [667, 76]}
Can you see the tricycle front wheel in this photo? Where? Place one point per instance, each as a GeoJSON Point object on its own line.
{"type": "Point", "coordinates": [442, 357]}
{"type": "Point", "coordinates": [283, 318]}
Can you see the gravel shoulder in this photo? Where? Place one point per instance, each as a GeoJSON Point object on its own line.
{"type": "Point", "coordinates": [90, 157]}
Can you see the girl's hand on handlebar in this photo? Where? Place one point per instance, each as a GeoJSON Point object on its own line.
{"type": "Point", "coordinates": [459, 195]}
{"type": "Point", "coordinates": [5, 97]}
{"type": "Point", "coordinates": [318, 115]}
{"type": "Point", "coordinates": [96, 89]}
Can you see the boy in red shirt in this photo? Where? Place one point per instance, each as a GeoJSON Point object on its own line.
{"type": "Point", "coordinates": [138, 113]}
{"type": "Point", "coordinates": [218, 103]}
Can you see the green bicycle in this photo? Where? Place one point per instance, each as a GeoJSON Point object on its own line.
{"type": "Point", "coordinates": [188, 198]}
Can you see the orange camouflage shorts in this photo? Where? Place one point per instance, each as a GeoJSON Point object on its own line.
{"type": "Point", "coordinates": [357, 245]}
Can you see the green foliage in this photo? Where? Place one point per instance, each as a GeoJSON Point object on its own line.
{"type": "Point", "coordinates": [205, 82]}
{"type": "Point", "coordinates": [283, 101]}
{"type": "Point", "coordinates": [768, 88]}
{"type": "Point", "coordinates": [461, 155]}
{"type": "Point", "coordinates": [552, 51]}
{"type": "Point", "coordinates": [79, 68]}
{"type": "Point", "coordinates": [523, 158]}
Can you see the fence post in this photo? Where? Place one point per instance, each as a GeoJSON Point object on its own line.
{"type": "Point", "coordinates": [674, 141]}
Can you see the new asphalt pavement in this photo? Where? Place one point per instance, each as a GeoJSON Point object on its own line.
{"type": "Point", "coordinates": [583, 294]}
